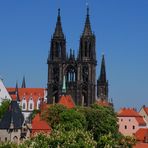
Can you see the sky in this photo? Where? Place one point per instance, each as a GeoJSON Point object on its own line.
{"type": "Point", "coordinates": [121, 29]}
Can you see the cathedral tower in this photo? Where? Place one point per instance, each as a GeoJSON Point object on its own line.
{"type": "Point", "coordinates": [56, 58]}
{"type": "Point", "coordinates": [87, 64]}
{"type": "Point", "coordinates": [102, 83]}
{"type": "Point", "coordinates": [78, 74]}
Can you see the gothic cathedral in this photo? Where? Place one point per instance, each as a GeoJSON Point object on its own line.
{"type": "Point", "coordinates": [79, 73]}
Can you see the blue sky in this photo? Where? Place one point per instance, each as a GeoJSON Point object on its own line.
{"type": "Point", "coordinates": [121, 29]}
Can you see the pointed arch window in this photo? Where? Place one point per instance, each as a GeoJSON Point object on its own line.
{"type": "Point", "coordinates": [31, 104]}
{"type": "Point", "coordinates": [38, 103]}
{"type": "Point", "coordinates": [71, 74]}
{"type": "Point", "coordinates": [24, 106]}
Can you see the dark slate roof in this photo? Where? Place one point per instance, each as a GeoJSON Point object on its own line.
{"type": "Point", "coordinates": [13, 115]}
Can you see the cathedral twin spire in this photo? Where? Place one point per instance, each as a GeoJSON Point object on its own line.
{"type": "Point", "coordinates": [62, 69]}
{"type": "Point", "coordinates": [87, 29]}
{"type": "Point", "coordinates": [58, 30]}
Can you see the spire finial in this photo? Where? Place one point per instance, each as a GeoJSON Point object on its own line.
{"type": "Point", "coordinates": [58, 30]}
{"type": "Point", "coordinates": [87, 27]}
{"type": "Point", "coordinates": [87, 8]}
{"type": "Point", "coordinates": [24, 82]}
{"type": "Point", "coordinates": [59, 12]}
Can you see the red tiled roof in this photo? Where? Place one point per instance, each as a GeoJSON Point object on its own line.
{"type": "Point", "coordinates": [140, 121]}
{"type": "Point", "coordinates": [103, 103]}
{"type": "Point", "coordinates": [141, 134]}
{"type": "Point", "coordinates": [141, 145]}
{"type": "Point", "coordinates": [128, 112]}
{"type": "Point", "coordinates": [27, 93]}
{"type": "Point", "coordinates": [67, 101]}
{"type": "Point", "coordinates": [39, 125]}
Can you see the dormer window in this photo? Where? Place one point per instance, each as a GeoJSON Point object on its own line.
{"type": "Point", "coordinates": [38, 103]}
{"type": "Point", "coordinates": [24, 105]}
{"type": "Point", "coordinates": [31, 106]}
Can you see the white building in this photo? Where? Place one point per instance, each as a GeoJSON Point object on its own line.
{"type": "Point", "coordinates": [4, 95]}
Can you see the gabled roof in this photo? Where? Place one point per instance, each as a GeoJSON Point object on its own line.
{"type": "Point", "coordinates": [67, 101]}
{"type": "Point", "coordinates": [39, 125]}
{"type": "Point", "coordinates": [128, 112]}
{"type": "Point", "coordinates": [141, 134]}
{"type": "Point", "coordinates": [13, 116]}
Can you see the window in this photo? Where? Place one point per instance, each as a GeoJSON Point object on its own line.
{"type": "Point", "coordinates": [38, 104]}
{"type": "Point", "coordinates": [30, 105]}
{"type": "Point", "coordinates": [5, 139]}
{"type": "Point", "coordinates": [71, 74]}
{"type": "Point", "coordinates": [133, 127]}
{"type": "Point", "coordinates": [121, 120]}
{"type": "Point", "coordinates": [24, 106]}
{"type": "Point", "coordinates": [129, 120]}
{"type": "Point", "coordinates": [125, 126]}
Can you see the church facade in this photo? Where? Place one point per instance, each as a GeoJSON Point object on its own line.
{"type": "Point", "coordinates": [78, 71]}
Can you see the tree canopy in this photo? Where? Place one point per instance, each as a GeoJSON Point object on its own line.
{"type": "Point", "coordinates": [3, 107]}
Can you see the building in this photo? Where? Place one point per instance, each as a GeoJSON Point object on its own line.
{"type": "Point", "coordinates": [144, 113]}
{"type": "Point", "coordinates": [130, 121]}
{"type": "Point", "coordinates": [79, 71]}
{"type": "Point", "coordinates": [12, 125]}
{"type": "Point", "coordinates": [29, 99]}
{"type": "Point", "coordinates": [4, 95]}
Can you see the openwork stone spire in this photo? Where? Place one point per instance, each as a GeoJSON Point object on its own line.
{"type": "Point", "coordinates": [103, 71]}
{"type": "Point", "coordinates": [87, 29]}
{"type": "Point", "coordinates": [58, 30]}
{"type": "Point", "coordinates": [24, 83]}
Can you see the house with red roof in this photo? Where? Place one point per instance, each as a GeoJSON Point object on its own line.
{"type": "Point", "coordinates": [39, 125]}
{"type": "Point", "coordinates": [142, 138]}
{"type": "Point", "coordinates": [144, 113]}
{"type": "Point", "coordinates": [28, 98]}
{"type": "Point", "coordinates": [130, 121]}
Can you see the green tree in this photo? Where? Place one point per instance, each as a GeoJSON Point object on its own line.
{"type": "Point", "coordinates": [52, 115]}
{"type": "Point", "coordinates": [107, 141]}
{"type": "Point", "coordinates": [100, 120]}
{"type": "Point", "coordinates": [8, 145]}
{"type": "Point", "coordinates": [71, 119]}
{"type": "Point", "coordinates": [3, 108]}
{"type": "Point", "coordinates": [61, 139]}
{"type": "Point", "coordinates": [127, 141]}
